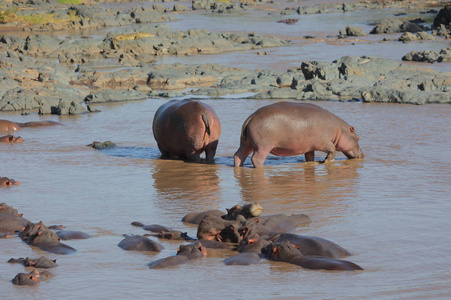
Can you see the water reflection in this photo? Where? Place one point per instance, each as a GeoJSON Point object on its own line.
{"type": "Point", "coordinates": [186, 186]}
{"type": "Point", "coordinates": [306, 186]}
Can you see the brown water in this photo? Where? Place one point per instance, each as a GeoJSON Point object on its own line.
{"type": "Point", "coordinates": [391, 210]}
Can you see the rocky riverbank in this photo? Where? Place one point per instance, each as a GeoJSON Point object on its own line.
{"type": "Point", "coordinates": [49, 74]}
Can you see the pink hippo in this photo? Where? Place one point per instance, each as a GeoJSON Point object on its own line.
{"type": "Point", "coordinates": [289, 128]}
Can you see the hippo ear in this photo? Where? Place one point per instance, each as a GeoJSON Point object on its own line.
{"type": "Point", "coordinates": [352, 129]}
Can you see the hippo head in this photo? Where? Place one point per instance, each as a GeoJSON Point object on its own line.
{"type": "Point", "coordinates": [349, 143]}
{"type": "Point", "coordinates": [25, 279]}
{"type": "Point", "coordinates": [11, 139]}
{"type": "Point", "coordinates": [281, 251]}
{"type": "Point", "coordinates": [193, 250]}
{"type": "Point", "coordinates": [5, 181]}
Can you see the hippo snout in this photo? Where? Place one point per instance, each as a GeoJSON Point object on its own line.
{"type": "Point", "coordinates": [354, 153]}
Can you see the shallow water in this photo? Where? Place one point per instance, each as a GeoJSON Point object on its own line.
{"type": "Point", "coordinates": [391, 209]}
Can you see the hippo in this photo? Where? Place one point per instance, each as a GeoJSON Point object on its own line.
{"type": "Point", "coordinates": [6, 125]}
{"type": "Point", "coordinates": [41, 262]}
{"type": "Point", "coordinates": [217, 229]}
{"type": "Point", "coordinates": [139, 243]}
{"type": "Point", "coordinates": [11, 139]}
{"type": "Point", "coordinates": [41, 236]}
{"type": "Point", "coordinates": [196, 218]}
{"type": "Point", "coordinates": [10, 220]}
{"type": "Point", "coordinates": [5, 181]}
{"type": "Point", "coordinates": [287, 252]}
{"type": "Point", "coordinates": [249, 253]}
{"type": "Point", "coordinates": [32, 278]}
{"type": "Point", "coordinates": [308, 245]}
{"type": "Point", "coordinates": [288, 128]}
{"type": "Point", "coordinates": [26, 279]}
{"type": "Point", "coordinates": [152, 227]}
{"type": "Point", "coordinates": [186, 128]}
{"type": "Point", "coordinates": [72, 235]}
{"type": "Point", "coordinates": [48, 241]}
{"type": "Point", "coordinates": [185, 253]}
{"type": "Point", "coordinates": [247, 211]}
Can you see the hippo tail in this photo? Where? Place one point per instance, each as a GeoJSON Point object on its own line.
{"type": "Point", "coordinates": [206, 120]}
{"type": "Point", "coordinates": [244, 129]}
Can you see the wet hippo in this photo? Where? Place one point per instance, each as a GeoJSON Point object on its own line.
{"type": "Point", "coordinates": [288, 128]}
{"type": "Point", "coordinates": [5, 181]}
{"type": "Point", "coordinates": [139, 243]}
{"type": "Point", "coordinates": [26, 279]}
{"type": "Point", "coordinates": [41, 236]}
{"type": "Point", "coordinates": [72, 235]}
{"type": "Point", "coordinates": [308, 245]}
{"type": "Point", "coordinates": [185, 253]}
{"type": "Point", "coordinates": [10, 220]}
{"type": "Point", "coordinates": [41, 262]}
{"type": "Point", "coordinates": [10, 139]}
{"type": "Point", "coordinates": [6, 125]}
{"type": "Point", "coordinates": [287, 252]}
{"type": "Point", "coordinates": [32, 278]}
{"type": "Point", "coordinates": [196, 218]}
{"type": "Point", "coordinates": [186, 128]}
{"type": "Point", "coordinates": [250, 251]}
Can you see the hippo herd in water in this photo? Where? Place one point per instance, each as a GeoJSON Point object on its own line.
{"type": "Point", "coordinates": [184, 129]}
{"type": "Point", "coordinates": [241, 228]}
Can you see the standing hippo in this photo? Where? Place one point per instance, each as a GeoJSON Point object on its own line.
{"type": "Point", "coordinates": [185, 129]}
{"type": "Point", "coordinates": [6, 125]}
{"type": "Point", "coordinates": [288, 128]}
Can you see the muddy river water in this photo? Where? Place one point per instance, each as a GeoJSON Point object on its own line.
{"type": "Point", "coordinates": [391, 209]}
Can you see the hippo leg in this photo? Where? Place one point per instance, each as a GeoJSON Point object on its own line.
{"type": "Point", "coordinates": [330, 150]}
{"type": "Point", "coordinates": [241, 155]}
{"type": "Point", "coordinates": [164, 153]}
{"type": "Point", "coordinates": [258, 158]}
{"type": "Point", "coordinates": [194, 157]}
{"type": "Point", "coordinates": [210, 152]}
{"type": "Point", "coordinates": [310, 156]}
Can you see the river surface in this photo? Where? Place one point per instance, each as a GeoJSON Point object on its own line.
{"type": "Point", "coordinates": [391, 209]}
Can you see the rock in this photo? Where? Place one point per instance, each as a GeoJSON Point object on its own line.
{"type": "Point", "coordinates": [393, 25]}
{"type": "Point", "coordinates": [429, 56]}
{"type": "Point", "coordinates": [115, 96]}
{"type": "Point", "coordinates": [180, 7]}
{"type": "Point", "coordinates": [354, 31]}
{"type": "Point", "coordinates": [404, 96]}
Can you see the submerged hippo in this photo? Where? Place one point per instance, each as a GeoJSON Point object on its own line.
{"type": "Point", "coordinates": [6, 125]}
{"type": "Point", "coordinates": [5, 181]}
{"type": "Point", "coordinates": [186, 128]}
{"type": "Point", "coordinates": [288, 128]}
{"type": "Point", "coordinates": [10, 139]}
